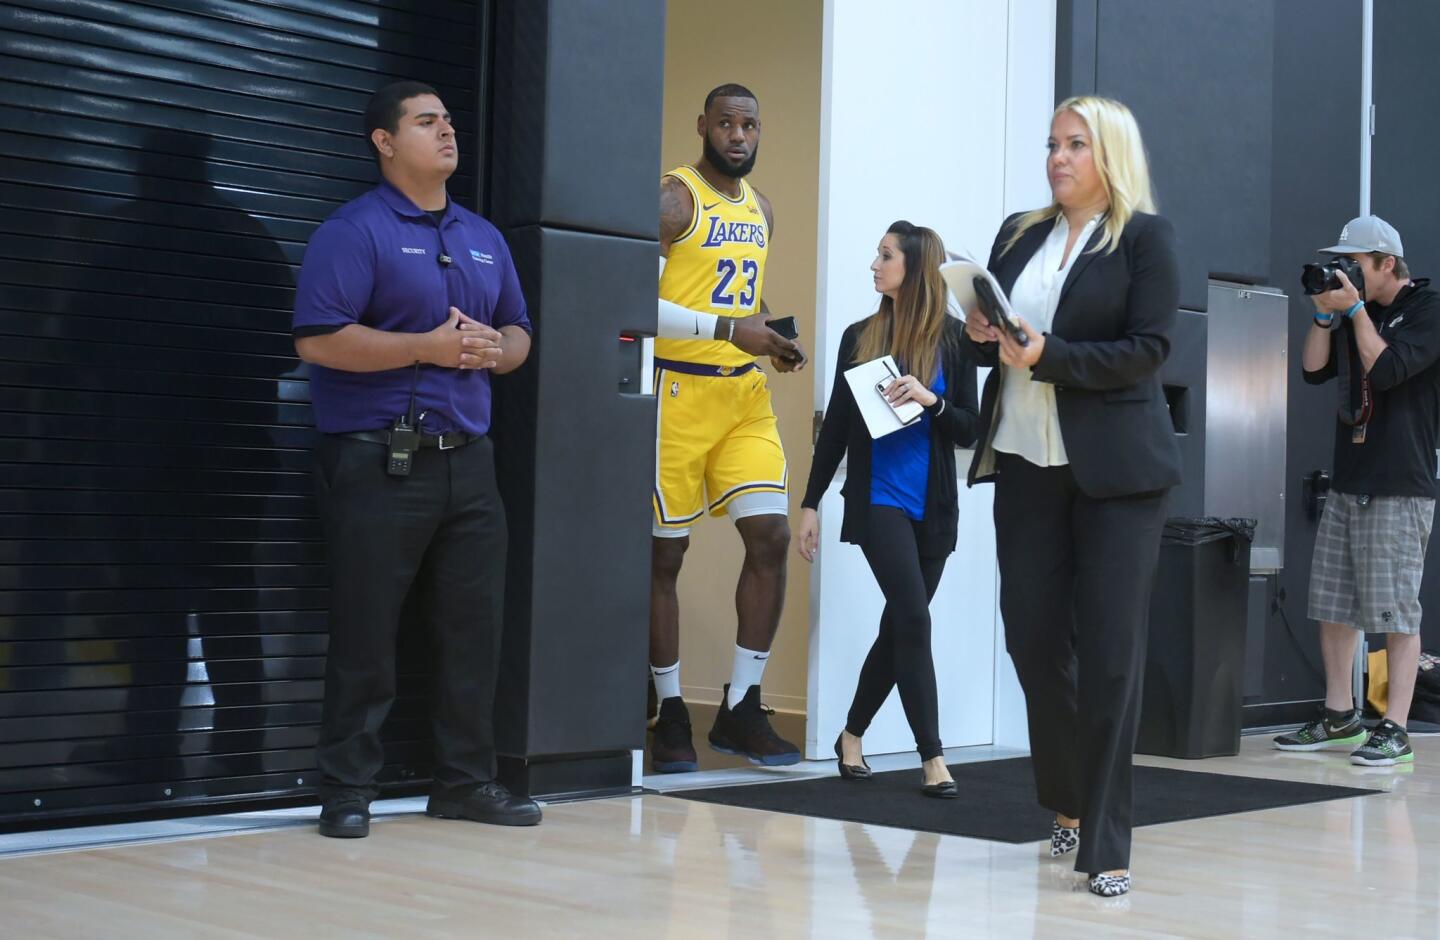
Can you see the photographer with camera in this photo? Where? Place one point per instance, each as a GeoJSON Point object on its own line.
{"type": "Point", "coordinates": [1378, 332]}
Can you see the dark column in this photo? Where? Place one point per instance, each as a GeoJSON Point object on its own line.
{"type": "Point", "coordinates": [1402, 192]}
{"type": "Point", "coordinates": [575, 168]}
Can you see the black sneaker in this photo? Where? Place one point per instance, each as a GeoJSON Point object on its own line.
{"type": "Point", "coordinates": [671, 751]}
{"type": "Point", "coordinates": [1388, 745]}
{"type": "Point", "coordinates": [345, 814]}
{"type": "Point", "coordinates": [1324, 732]}
{"type": "Point", "coordinates": [488, 802]}
{"type": "Point", "coordinates": [746, 731]}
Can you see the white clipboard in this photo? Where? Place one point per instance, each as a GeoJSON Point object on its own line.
{"type": "Point", "coordinates": [880, 418]}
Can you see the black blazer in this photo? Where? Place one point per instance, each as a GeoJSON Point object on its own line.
{"type": "Point", "coordinates": [844, 429]}
{"type": "Point", "coordinates": [1110, 335]}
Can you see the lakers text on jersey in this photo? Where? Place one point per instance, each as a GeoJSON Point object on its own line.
{"type": "Point", "coordinates": [717, 266]}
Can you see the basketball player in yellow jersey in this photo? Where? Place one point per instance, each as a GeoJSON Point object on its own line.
{"type": "Point", "coordinates": [718, 449]}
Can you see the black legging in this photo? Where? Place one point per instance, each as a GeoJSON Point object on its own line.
{"type": "Point", "coordinates": [901, 653]}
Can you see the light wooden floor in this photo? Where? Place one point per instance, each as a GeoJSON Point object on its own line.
{"type": "Point", "coordinates": [656, 866]}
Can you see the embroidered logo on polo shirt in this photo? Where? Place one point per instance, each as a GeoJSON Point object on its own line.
{"type": "Point", "coordinates": [413, 251]}
{"type": "Point", "coordinates": [482, 257]}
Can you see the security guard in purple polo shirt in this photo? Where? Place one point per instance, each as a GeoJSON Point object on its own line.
{"type": "Point", "coordinates": [406, 303]}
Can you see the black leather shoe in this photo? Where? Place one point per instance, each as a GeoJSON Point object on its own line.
{"type": "Point", "coordinates": [850, 771]}
{"type": "Point", "coordinates": [945, 790]}
{"type": "Point", "coordinates": [487, 803]}
{"type": "Point", "coordinates": [345, 818]}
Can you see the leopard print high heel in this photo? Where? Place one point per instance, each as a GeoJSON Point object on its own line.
{"type": "Point", "coordinates": [1110, 886]}
{"type": "Point", "coordinates": [1063, 840]}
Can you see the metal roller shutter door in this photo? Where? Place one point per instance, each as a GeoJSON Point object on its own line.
{"type": "Point", "coordinates": [162, 585]}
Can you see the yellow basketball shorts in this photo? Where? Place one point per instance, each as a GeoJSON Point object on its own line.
{"type": "Point", "coordinates": [717, 446]}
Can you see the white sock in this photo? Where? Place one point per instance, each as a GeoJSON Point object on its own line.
{"type": "Point", "coordinates": [667, 680]}
{"type": "Point", "coordinates": [749, 667]}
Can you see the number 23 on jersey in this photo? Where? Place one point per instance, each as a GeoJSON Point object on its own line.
{"type": "Point", "coordinates": [735, 283]}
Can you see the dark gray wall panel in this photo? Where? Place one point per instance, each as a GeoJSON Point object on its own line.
{"type": "Point", "coordinates": [1183, 377]}
{"type": "Point", "coordinates": [1076, 45]}
{"type": "Point", "coordinates": [1404, 189]}
{"type": "Point", "coordinates": [1316, 190]}
{"type": "Point", "coordinates": [575, 159]}
{"type": "Point", "coordinates": [577, 460]}
{"type": "Point", "coordinates": [578, 127]}
{"type": "Point", "coordinates": [1198, 78]}
{"type": "Point", "coordinates": [1252, 131]}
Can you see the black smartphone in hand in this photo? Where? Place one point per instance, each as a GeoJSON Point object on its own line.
{"type": "Point", "coordinates": [990, 306]}
{"type": "Point", "coordinates": [785, 326]}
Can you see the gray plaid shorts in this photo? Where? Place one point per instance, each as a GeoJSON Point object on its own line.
{"type": "Point", "coordinates": [1369, 560]}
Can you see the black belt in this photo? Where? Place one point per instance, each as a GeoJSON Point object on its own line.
{"type": "Point", "coordinates": [447, 441]}
{"type": "Point", "coordinates": [696, 368]}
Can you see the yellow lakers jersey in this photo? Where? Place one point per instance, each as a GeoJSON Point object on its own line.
{"type": "Point", "coordinates": [717, 266]}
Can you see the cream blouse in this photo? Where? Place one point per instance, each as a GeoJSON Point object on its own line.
{"type": "Point", "coordinates": [1029, 424]}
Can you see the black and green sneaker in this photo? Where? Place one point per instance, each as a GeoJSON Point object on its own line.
{"type": "Point", "coordinates": [1388, 745]}
{"type": "Point", "coordinates": [1326, 731]}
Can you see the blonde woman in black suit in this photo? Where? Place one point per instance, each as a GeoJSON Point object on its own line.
{"type": "Point", "coordinates": [1077, 437]}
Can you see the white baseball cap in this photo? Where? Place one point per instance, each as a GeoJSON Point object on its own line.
{"type": "Point", "coordinates": [1366, 234]}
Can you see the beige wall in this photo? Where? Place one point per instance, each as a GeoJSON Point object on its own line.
{"type": "Point", "coordinates": [773, 48]}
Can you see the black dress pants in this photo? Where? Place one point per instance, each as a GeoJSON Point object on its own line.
{"type": "Point", "coordinates": [901, 653]}
{"type": "Point", "coordinates": [441, 530]}
{"type": "Point", "coordinates": [1075, 579]}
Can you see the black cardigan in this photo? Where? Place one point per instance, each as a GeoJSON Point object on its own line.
{"type": "Point", "coordinates": [844, 429]}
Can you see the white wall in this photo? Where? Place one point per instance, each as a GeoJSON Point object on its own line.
{"type": "Point", "coordinates": [935, 111]}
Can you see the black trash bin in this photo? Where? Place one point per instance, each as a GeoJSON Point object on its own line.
{"type": "Point", "coordinates": [1195, 664]}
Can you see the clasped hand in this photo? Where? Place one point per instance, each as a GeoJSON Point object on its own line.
{"type": "Point", "coordinates": [462, 342]}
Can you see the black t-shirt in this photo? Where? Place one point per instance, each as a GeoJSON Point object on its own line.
{"type": "Point", "coordinates": [1397, 457]}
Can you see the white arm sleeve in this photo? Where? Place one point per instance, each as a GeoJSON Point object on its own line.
{"type": "Point", "coordinates": [677, 322]}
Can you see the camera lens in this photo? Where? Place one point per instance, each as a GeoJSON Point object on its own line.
{"type": "Point", "coordinates": [1313, 278]}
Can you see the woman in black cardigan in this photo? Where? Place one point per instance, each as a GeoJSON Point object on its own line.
{"type": "Point", "coordinates": [1077, 436]}
{"type": "Point", "coordinates": [901, 506]}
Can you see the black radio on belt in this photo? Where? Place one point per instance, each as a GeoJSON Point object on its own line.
{"type": "Point", "coordinates": [404, 441]}
{"type": "Point", "coordinates": [404, 437]}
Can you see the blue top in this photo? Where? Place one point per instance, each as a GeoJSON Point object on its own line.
{"type": "Point", "coordinates": [900, 464]}
{"type": "Point", "coordinates": [376, 261]}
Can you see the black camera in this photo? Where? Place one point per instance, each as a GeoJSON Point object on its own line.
{"type": "Point", "coordinates": [1319, 278]}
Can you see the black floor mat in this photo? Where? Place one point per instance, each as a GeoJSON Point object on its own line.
{"type": "Point", "coordinates": [997, 799]}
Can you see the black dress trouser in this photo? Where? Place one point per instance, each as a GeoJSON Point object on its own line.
{"type": "Point", "coordinates": [441, 530]}
{"type": "Point", "coordinates": [1075, 579]}
{"type": "Point", "coordinates": [901, 653]}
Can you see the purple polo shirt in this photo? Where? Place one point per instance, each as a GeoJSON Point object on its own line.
{"type": "Point", "coordinates": [376, 261]}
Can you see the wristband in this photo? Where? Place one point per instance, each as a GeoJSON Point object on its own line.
{"type": "Point", "coordinates": [1324, 320]}
{"type": "Point", "coordinates": [730, 337]}
{"type": "Point", "coordinates": [1359, 305]}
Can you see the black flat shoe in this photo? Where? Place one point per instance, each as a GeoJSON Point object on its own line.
{"type": "Point", "coordinates": [850, 771]}
{"type": "Point", "coordinates": [941, 791]}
